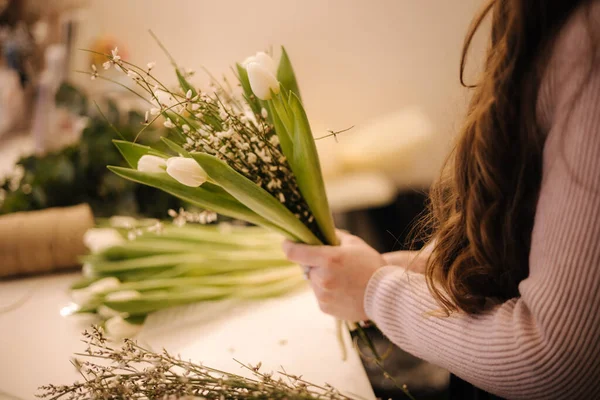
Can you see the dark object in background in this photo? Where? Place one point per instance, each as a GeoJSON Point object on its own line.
{"type": "Point", "coordinates": [462, 390]}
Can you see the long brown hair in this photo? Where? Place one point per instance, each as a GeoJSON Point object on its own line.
{"type": "Point", "coordinates": [482, 207]}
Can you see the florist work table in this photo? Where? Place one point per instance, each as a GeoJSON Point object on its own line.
{"type": "Point", "coordinates": [36, 342]}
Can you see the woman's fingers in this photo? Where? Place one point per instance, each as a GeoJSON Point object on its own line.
{"type": "Point", "coordinates": [314, 256]}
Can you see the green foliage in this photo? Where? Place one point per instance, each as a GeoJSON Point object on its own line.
{"type": "Point", "coordinates": [78, 173]}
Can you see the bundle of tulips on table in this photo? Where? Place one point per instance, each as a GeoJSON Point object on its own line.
{"type": "Point", "coordinates": [140, 266]}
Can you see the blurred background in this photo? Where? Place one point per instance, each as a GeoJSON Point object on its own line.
{"type": "Point", "coordinates": [387, 68]}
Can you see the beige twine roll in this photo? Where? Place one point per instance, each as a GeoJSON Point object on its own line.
{"type": "Point", "coordinates": [36, 242]}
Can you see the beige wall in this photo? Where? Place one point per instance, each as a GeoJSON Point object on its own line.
{"type": "Point", "coordinates": [355, 59]}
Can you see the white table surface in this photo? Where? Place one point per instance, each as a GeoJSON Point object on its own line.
{"type": "Point", "coordinates": [36, 342]}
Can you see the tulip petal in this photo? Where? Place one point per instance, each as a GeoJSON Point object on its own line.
{"type": "Point", "coordinates": [262, 81]}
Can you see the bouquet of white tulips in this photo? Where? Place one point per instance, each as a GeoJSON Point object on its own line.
{"type": "Point", "coordinates": [248, 155]}
{"type": "Point", "coordinates": [147, 265]}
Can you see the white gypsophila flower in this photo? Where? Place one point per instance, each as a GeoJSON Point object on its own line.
{"type": "Point", "coordinates": [154, 111]}
{"type": "Point", "coordinates": [186, 128]}
{"type": "Point", "coordinates": [107, 64]}
{"type": "Point", "coordinates": [118, 328]}
{"type": "Point", "coordinates": [163, 99]}
{"type": "Point", "coordinates": [94, 72]}
{"type": "Point", "coordinates": [151, 65]}
{"type": "Point", "coordinates": [150, 163]}
{"type": "Point", "coordinates": [98, 239]}
{"type": "Point", "coordinates": [252, 158]}
{"type": "Point", "coordinates": [115, 54]}
{"type": "Point", "coordinates": [262, 81]}
{"type": "Point", "coordinates": [123, 295]}
{"type": "Point", "coordinates": [186, 171]}
{"type": "Point", "coordinates": [122, 221]}
{"type": "Point", "coordinates": [169, 124]}
{"type": "Point", "coordinates": [133, 75]}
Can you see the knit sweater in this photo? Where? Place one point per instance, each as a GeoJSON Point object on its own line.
{"type": "Point", "coordinates": [544, 344]}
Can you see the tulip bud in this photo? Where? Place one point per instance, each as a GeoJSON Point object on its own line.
{"type": "Point", "coordinates": [263, 59]}
{"type": "Point", "coordinates": [98, 239]}
{"type": "Point", "coordinates": [150, 163]}
{"type": "Point", "coordinates": [86, 295]}
{"type": "Point", "coordinates": [186, 171]}
{"type": "Point", "coordinates": [262, 81]}
{"type": "Point", "coordinates": [118, 328]}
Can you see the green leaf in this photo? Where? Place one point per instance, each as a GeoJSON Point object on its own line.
{"type": "Point", "coordinates": [250, 98]}
{"type": "Point", "coordinates": [307, 170]}
{"type": "Point", "coordinates": [185, 85]}
{"type": "Point", "coordinates": [132, 152]}
{"type": "Point", "coordinates": [254, 197]}
{"type": "Point", "coordinates": [207, 196]}
{"type": "Point", "coordinates": [153, 301]}
{"type": "Point", "coordinates": [285, 74]}
{"type": "Point", "coordinates": [175, 147]}
{"type": "Point", "coordinates": [282, 132]}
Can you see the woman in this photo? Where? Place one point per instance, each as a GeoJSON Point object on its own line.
{"type": "Point", "coordinates": [506, 296]}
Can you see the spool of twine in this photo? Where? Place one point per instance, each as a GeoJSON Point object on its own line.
{"type": "Point", "coordinates": [35, 242]}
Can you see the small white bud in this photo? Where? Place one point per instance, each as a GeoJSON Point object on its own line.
{"type": "Point", "coordinates": [185, 127]}
{"type": "Point", "coordinates": [188, 95]}
{"type": "Point", "coordinates": [186, 171]}
{"type": "Point", "coordinates": [169, 124]}
{"type": "Point", "coordinates": [151, 65]}
{"type": "Point", "coordinates": [264, 113]}
{"type": "Point", "coordinates": [150, 163]}
{"type": "Point", "coordinates": [154, 111]}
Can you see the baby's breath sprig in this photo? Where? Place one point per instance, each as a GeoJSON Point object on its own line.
{"type": "Point", "coordinates": [218, 123]}
{"type": "Point", "coordinates": [133, 372]}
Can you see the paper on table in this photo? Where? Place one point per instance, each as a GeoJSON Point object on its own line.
{"type": "Point", "coordinates": [288, 331]}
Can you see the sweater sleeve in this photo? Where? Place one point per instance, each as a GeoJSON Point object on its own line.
{"type": "Point", "coordinates": [544, 344]}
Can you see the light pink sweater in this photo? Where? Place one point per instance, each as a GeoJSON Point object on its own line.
{"type": "Point", "coordinates": [544, 344]}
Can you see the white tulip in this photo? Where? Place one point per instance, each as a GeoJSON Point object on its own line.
{"type": "Point", "coordinates": [186, 171]}
{"type": "Point", "coordinates": [117, 328]}
{"type": "Point", "coordinates": [150, 163]}
{"type": "Point", "coordinates": [85, 295]}
{"type": "Point", "coordinates": [104, 285]}
{"type": "Point", "coordinates": [98, 239]}
{"type": "Point", "coordinates": [263, 59]}
{"type": "Point", "coordinates": [262, 81]}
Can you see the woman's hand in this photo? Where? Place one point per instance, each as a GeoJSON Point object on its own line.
{"type": "Point", "coordinates": [339, 274]}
